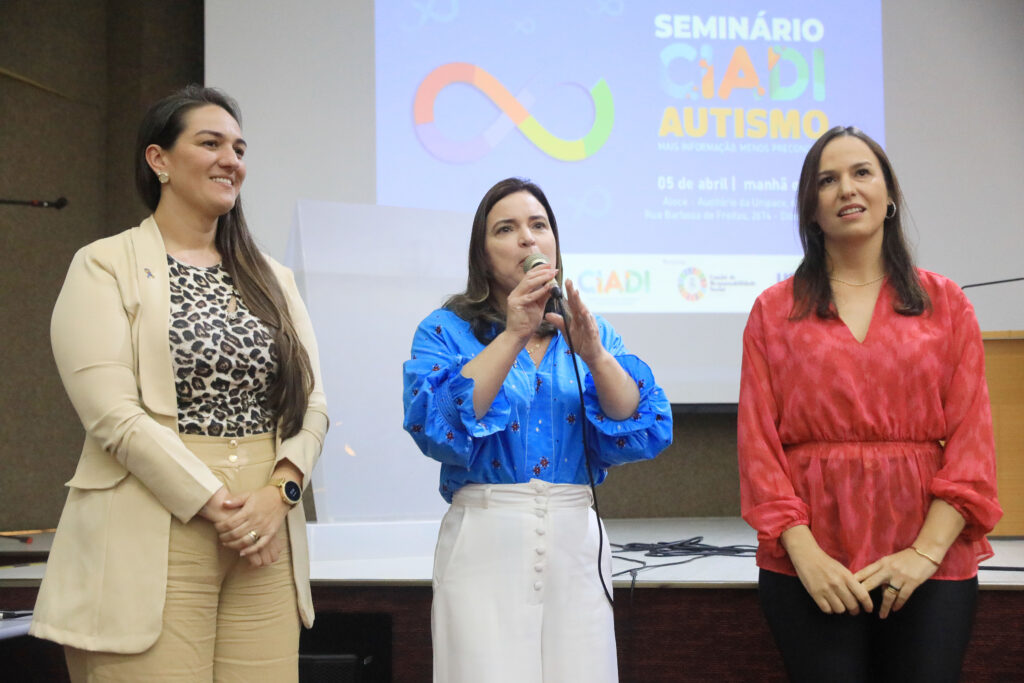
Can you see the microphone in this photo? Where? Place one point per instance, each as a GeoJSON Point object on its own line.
{"type": "Point", "coordinates": [534, 260]}
{"type": "Point", "coordinates": [58, 203]}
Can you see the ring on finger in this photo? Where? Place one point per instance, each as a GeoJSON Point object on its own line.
{"type": "Point", "coordinates": [894, 589]}
{"type": "Point", "coordinates": [254, 536]}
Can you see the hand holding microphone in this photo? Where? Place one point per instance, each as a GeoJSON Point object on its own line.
{"type": "Point", "coordinates": [524, 308]}
{"type": "Point", "coordinates": [583, 326]}
{"type": "Point", "coordinates": [534, 260]}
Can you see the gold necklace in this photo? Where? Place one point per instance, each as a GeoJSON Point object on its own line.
{"type": "Point", "coordinates": [858, 284]}
{"type": "Point", "coordinates": [534, 348]}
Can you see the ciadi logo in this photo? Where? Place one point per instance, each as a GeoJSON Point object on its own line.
{"type": "Point", "coordinates": [470, 150]}
{"type": "Point", "coordinates": [614, 281]}
{"type": "Point", "coordinates": [693, 284]}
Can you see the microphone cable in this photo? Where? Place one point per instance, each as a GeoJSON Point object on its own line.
{"type": "Point", "coordinates": [586, 447]}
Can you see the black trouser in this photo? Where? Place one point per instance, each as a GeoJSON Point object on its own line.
{"type": "Point", "coordinates": [924, 641]}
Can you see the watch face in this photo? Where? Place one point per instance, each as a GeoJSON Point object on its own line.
{"type": "Point", "coordinates": [292, 491]}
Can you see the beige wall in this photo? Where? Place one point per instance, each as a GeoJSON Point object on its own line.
{"type": "Point", "coordinates": [107, 60]}
{"type": "Point", "coordinates": [696, 476]}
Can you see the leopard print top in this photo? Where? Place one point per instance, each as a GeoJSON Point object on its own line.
{"type": "Point", "coordinates": [224, 360]}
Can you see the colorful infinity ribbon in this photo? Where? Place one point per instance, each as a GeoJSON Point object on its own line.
{"type": "Point", "coordinates": [470, 150]}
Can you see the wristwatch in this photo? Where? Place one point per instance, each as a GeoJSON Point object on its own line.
{"type": "Point", "coordinates": [290, 491]}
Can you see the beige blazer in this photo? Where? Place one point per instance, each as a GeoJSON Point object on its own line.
{"type": "Point", "coordinates": [106, 576]}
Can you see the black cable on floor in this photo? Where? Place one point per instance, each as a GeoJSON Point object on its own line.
{"type": "Point", "coordinates": [691, 548]}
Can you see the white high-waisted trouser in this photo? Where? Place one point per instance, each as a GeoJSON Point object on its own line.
{"type": "Point", "coordinates": [517, 596]}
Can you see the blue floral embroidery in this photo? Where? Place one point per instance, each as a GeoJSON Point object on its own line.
{"type": "Point", "coordinates": [497, 448]}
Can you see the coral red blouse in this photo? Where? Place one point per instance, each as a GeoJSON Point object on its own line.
{"type": "Point", "coordinates": [845, 437]}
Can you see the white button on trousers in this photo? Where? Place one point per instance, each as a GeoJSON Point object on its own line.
{"type": "Point", "coordinates": [517, 597]}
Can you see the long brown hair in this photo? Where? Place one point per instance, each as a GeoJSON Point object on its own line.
{"type": "Point", "coordinates": [812, 290]}
{"type": "Point", "coordinates": [162, 125]}
{"type": "Point", "coordinates": [476, 305]}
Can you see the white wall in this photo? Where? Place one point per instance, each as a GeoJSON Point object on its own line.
{"type": "Point", "coordinates": [320, 121]}
{"type": "Point", "coordinates": [954, 98]}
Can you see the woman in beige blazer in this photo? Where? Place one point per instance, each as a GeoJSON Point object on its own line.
{"type": "Point", "coordinates": [191, 361]}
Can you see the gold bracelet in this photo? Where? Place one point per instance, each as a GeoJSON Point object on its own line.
{"type": "Point", "coordinates": [925, 556]}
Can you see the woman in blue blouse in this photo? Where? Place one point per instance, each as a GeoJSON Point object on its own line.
{"type": "Point", "coordinates": [491, 393]}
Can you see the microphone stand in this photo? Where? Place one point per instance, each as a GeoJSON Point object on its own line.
{"type": "Point", "coordinates": [993, 282]}
{"type": "Point", "coordinates": [58, 203]}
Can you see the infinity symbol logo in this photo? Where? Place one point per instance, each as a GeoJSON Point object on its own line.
{"type": "Point", "coordinates": [471, 150]}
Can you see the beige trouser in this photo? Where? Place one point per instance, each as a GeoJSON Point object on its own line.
{"type": "Point", "coordinates": [224, 620]}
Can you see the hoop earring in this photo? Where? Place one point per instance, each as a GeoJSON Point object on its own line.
{"type": "Point", "coordinates": [893, 214]}
{"type": "Point", "coordinates": [163, 177]}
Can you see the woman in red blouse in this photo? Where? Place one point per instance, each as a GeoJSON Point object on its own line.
{"type": "Point", "coordinates": [866, 455]}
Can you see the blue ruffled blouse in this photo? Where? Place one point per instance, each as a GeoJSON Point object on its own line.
{"type": "Point", "coordinates": [532, 430]}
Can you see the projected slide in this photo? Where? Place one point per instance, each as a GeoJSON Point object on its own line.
{"type": "Point", "coordinates": [669, 144]}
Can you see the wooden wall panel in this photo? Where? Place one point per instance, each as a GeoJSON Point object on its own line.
{"type": "Point", "coordinates": [1004, 370]}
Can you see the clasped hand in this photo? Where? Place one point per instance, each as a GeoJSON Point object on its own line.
{"type": "Point", "coordinates": [836, 590]}
{"type": "Point", "coordinates": [903, 571]}
{"type": "Point", "coordinates": [235, 516]}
